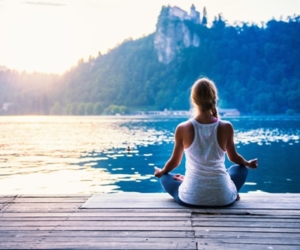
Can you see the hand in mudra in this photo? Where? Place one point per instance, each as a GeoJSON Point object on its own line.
{"type": "Point", "coordinates": [178, 177]}
{"type": "Point", "coordinates": [253, 164]}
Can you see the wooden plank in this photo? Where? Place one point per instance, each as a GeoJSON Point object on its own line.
{"type": "Point", "coordinates": [42, 207]}
{"type": "Point", "coordinates": [268, 205]}
{"type": "Point", "coordinates": [69, 216]}
{"type": "Point", "coordinates": [93, 228]}
{"type": "Point", "coordinates": [5, 200]}
{"type": "Point", "coordinates": [99, 240]}
{"type": "Point", "coordinates": [45, 205]}
{"type": "Point", "coordinates": [93, 219]}
{"type": "Point", "coordinates": [199, 230]}
{"type": "Point", "coordinates": [98, 233]}
{"type": "Point", "coordinates": [55, 196]}
{"type": "Point", "coordinates": [285, 236]}
{"type": "Point", "coordinates": [246, 223]}
{"type": "Point", "coordinates": [259, 211]}
{"type": "Point", "coordinates": [220, 219]}
{"type": "Point", "coordinates": [98, 224]}
{"type": "Point", "coordinates": [104, 245]}
{"type": "Point", "coordinates": [249, 207]}
{"type": "Point", "coordinates": [21, 216]}
{"type": "Point", "coordinates": [34, 200]}
{"type": "Point", "coordinates": [267, 219]}
{"type": "Point", "coordinates": [250, 240]}
{"type": "Point", "coordinates": [222, 246]}
{"type": "Point", "coordinates": [165, 201]}
{"type": "Point", "coordinates": [270, 195]}
{"type": "Point", "coordinates": [95, 216]}
{"type": "Point", "coordinates": [116, 239]}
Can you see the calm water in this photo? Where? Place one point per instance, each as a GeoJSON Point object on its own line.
{"type": "Point", "coordinates": [63, 155]}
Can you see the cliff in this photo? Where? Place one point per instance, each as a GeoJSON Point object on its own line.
{"type": "Point", "coordinates": [174, 32]}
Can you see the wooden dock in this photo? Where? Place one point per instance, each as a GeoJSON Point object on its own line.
{"type": "Point", "coordinates": [257, 221]}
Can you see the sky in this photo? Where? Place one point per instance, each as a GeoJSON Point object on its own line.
{"type": "Point", "coordinates": [52, 35]}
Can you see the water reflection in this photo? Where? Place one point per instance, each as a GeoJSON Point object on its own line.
{"type": "Point", "coordinates": [265, 136]}
{"type": "Point", "coordinates": [51, 155]}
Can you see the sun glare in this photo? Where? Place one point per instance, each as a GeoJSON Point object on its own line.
{"type": "Point", "coordinates": [43, 38]}
{"type": "Point", "coordinates": [53, 35]}
{"type": "Point", "coordinates": [38, 36]}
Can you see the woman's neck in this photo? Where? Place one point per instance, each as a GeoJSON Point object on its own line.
{"type": "Point", "coordinates": [205, 117]}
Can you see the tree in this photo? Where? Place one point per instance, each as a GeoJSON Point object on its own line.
{"type": "Point", "coordinates": [204, 18]}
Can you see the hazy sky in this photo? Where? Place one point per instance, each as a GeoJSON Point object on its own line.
{"type": "Point", "coordinates": [52, 35]}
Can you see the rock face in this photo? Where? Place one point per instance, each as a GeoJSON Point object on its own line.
{"type": "Point", "coordinates": [173, 32]}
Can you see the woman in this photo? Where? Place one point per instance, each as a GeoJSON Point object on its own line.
{"type": "Point", "coordinates": [205, 139]}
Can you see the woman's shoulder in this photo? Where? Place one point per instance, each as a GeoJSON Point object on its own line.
{"type": "Point", "coordinates": [185, 128]}
{"type": "Point", "coordinates": [185, 125]}
{"type": "Point", "coordinates": [185, 131]}
{"type": "Point", "coordinates": [225, 125]}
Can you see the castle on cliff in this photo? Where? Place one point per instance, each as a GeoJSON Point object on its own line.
{"type": "Point", "coordinates": [173, 31]}
{"type": "Point", "coordinates": [193, 16]}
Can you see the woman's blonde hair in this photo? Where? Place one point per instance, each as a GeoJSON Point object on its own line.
{"type": "Point", "coordinates": [204, 96]}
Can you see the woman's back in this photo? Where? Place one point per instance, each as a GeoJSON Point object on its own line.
{"type": "Point", "coordinates": [204, 140]}
{"type": "Point", "coordinates": [204, 149]}
{"type": "Point", "coordinates": [206, 181]}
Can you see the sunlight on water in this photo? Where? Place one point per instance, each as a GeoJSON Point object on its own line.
{"type": "Point", "coordinates": [50, 155]}
{"type": "Point", "coordinates": [44, 154]}
{"type": "Point", "coordinates": [266, 136]}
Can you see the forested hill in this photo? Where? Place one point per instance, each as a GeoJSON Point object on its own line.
{"type": "Point", "coordinates": [256, 69]}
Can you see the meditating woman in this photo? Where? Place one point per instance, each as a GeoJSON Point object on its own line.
{"type": "Point", "coordinates": [205, 139]}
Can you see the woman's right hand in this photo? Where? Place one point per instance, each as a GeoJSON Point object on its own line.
{"type": "Point", "coordinates": [158, 172]}
{"type": "Point", "coordinates": [253, 164]}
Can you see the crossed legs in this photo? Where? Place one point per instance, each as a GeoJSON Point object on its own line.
{"type": "Point", "coordinates": [237, 173]}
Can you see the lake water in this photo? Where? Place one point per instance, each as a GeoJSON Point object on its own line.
{"type": "Point", "coordinates": [76, 155]}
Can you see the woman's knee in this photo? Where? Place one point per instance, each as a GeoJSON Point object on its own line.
{"type": "Point", "coordinates": [239, 170]}
{"type": "Point", "coordinates": [170, 184]}
{"type": "Point", "coordinates": [166, 178]}
{"type": "Point", "coordinates": [238, 174]}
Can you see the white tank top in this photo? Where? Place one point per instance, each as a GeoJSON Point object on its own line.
{"type": "Point", "coordinates": [206, 181]}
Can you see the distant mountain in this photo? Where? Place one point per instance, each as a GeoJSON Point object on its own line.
{"type": "Point", "coordinates": [256, 70]}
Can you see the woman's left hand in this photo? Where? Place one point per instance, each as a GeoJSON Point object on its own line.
{"type": "Point", "coordinates": [178, 177]}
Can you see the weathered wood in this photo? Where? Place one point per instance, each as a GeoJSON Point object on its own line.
{"type": "Point", "coordinates": [92, 228]}
{"type": "Point", "coordinates": [4, 200]}
{"type": "Point", "coordinates": [81, 234]}
{"type": "Point", "coordinates": [199, 230]}
{"type": "Point", "coordinates": [285, 236]}
{"type": "Point", "coordinates": [102, 245]}
{"type": "Point", "coordinates": [250, 240]}
{"type": "Point", "coordinates": [94, 218]}
{"type": "Point", "coordinates": [258, 221]}
{"type": "Point", "coordinates": [67, 196]}
{"type": "Point", "coordinates": [161, 200]}
{"type": "Point", "coordinates": [253, 246]}
{"type": "Point", "coordinates": [98, 224]}
{"type": "Point", "coordinates": [33, 200]}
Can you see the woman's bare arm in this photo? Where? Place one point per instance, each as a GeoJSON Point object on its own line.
{"type": "Point", "coordinates": [233, 155]}
{"type": "Point", "coordinates": [176, 156]}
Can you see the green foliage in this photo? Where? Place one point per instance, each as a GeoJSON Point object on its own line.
{"type": "Point", "coordinates": [115, 110]}
{"type": "Point", "coordinates": [98, 109]}
{"type": "Point", "coordinates": [256, 70]}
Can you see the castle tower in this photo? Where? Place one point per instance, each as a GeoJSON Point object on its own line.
{"type": "Point", "coordinates": [204, 18]}
{"type": "Point", "coordinates": [195, 15]}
